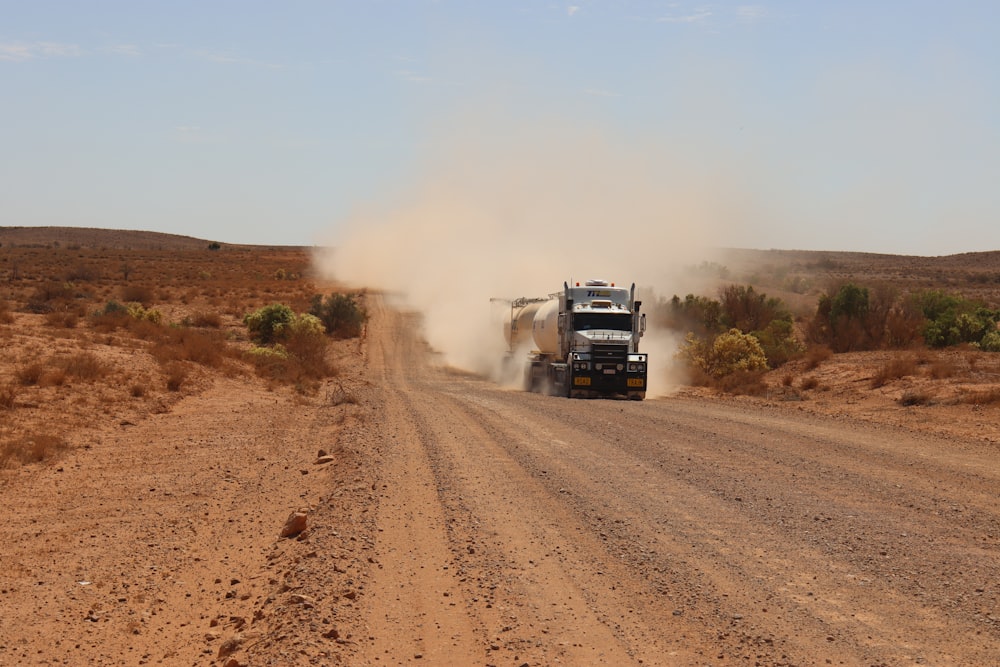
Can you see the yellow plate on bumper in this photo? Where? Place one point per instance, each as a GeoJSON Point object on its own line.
{"type": "Point", "coordinates": [581, 381]}
{"type": "Point", "coordinates": [636, 382]}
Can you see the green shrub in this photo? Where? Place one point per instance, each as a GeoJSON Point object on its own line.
{"type": "Point", "coordinates": [267, 324]}
{"type": "Point", "coordinates": [990, 342]}
{"type": "Point", "coordinates": [745, 309]}
{"type": "Point", "coordinates": [736, 351]}
{"type": "Point", "coordinates": [952, 320]}
{"type": "Point", "coordinates": [730, 352]}
{"type": "Point", "coordinates": [779, 343]}
{"type": "Point", "coordinates": [341, 314]}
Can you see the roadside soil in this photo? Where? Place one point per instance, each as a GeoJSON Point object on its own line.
{"type": "Point", "coordinates": [461, 523]}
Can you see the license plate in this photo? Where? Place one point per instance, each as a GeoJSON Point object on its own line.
{"type": "Point", "coordinates": [635, 382]}
{"type": "Point", "coordinates": [581, 381]}
{"type": "Point", "coordinates": [609, 371]}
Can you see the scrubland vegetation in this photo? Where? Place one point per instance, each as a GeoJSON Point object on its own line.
{"type": "Point", "coordinates": [739, 334]}
{"type": "Point", "coordinates": [107, 331]}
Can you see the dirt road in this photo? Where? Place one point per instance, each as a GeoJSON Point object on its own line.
{"type": "Point", "coordinates": [465, 524]}
{"type": "Point", "coordinates": [521, 529]}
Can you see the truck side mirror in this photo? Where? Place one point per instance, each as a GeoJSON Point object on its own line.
{"type": "Point", "coordinates": [642, 324]}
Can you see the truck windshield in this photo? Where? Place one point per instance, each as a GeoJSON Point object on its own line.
{"type": "Point", "coordinates": [614, 321]}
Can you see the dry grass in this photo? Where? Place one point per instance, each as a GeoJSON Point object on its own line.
{"type": "Point", "coordinates": [915, 397]}
{"type": "Point", "coordinates": [981, 397]}
{"type": "Point", "coordinates": [84, 366]}
{"type": "Point", "coordinates": [176, 375]}
{"type": "Point", "coordinates": [64, 319]}
{"type": "Point", "coordinates": [186, 344]}
{"type": "Point", "coordinates": [204, 319]}
{"type": "Point", "coordinates": [742, 383]}
{"type": "Point", "coordinates": [809, 383]}
{"type": "Point", "coordinates": [8, 396]}
{"type": "Point", "coordinates": [815, 355]}
{"type": "Point", "coordinates": [30, 374]}
{"type": "Point", "coordinates": [133, 293]}
{"type": "Point", "coordinates": [941, 369]}
{"type": "Point", "coordinates": [31, 448]}
{"type": "Point", "coordinates": [894, 369]}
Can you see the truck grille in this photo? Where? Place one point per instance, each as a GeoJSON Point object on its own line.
{"type": "Point", "coordinates": [609, 353]}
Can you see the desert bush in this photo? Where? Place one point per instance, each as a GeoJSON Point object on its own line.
{"type": "Point", "coordinates": [841, 319]}
{"type": "Point", "coordinates": [31, 448]}
{"type": "Point", "coordinates": [81, 273]}
{"type": "Point", "coordinates": [698, 314]}
{"type": "Point", "coordinates": [952, 320]}
{"type": "Point", "coordinates": [341, 396]}
{"type": "Point", "coordinates": [815, 355]}
{"type": "Point", "coordinates": [730, 352]}
{"type": "Point", "coordinates": [30, 374]}
{"type": "Point", "coordinates": [54, 377]}
{"type": "Point", "coordinates": [914, 397]}
{"type": "Point", "coordinates": [176, 375]}
{"type": "Point", "coordinates": [132, 293]}
{"type": "Point", "coordinates": [84, 366]}
{"type": "Point", "coordinates": [982, 397]}
{"type": "Point", "coordinates": [50, 295]}
{"type": "Point", "coordinates": [8, 395]}
{"type": "Point", "coordinates": [185, 344]}
{"type": "Point", "coordinates": [941, 369]}
{"type": "Point", "coordinates": [745, 309]}
{"type": "Point", "coordinates": [305, 340]}
{"type": "Point", "coordinates": [301, 359]}
{"type": "Point", "coordinates": [894, 369]}
{"type": "Point", "coordinates": [990, 342]}
{"type": "Point", "coordinates": [114, 315]}
{"type": "Point", "coordinates": [809, 383]}
{"type": "Point", "coordinates": [267, 325]}
{"type": "Point", "coordinates": [139, 312]}
{"type": "Point", "coordinates": [902, 326]}
{"type": "Point", "coordinates": [341, 314]}
{"type": "Point", "coordinates": [204, 319]}
{"type": "Point", "coordinates": [64, 319]}
{"type": "Point", "coordinates": [778, 342]}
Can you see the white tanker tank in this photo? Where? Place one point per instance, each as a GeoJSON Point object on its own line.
{"type": "Point", "coordinates": [583, 341]}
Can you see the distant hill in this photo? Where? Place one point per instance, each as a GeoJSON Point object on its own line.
{"type": "Point", "coordinates": [87, 237]}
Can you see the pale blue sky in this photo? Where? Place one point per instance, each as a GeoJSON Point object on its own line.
{"type": "Point", "coordinates": [842, 125]}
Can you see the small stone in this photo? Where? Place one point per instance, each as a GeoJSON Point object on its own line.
{"type": "Point", "coordinates": [229, 647]}
{"type": "Point", "coordinates": [326, 458]}
{"type": "Point", "coordinates": [295, 524]}
{"type": "Point", "coordinates": [304, 600]}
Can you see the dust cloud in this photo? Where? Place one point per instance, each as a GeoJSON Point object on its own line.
{"type": "Point", "coordinates": [520, 215]}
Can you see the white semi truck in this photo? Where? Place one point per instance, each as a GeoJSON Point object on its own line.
{"type": "Point", "coordinates": [582, 342]}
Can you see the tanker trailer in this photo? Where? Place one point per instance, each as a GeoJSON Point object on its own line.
{"type": "Point", "coordinates": [583, 342]}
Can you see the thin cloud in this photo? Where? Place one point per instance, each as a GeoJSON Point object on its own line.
{"type": "Point", "coordinates": [412, 77]}
{"type": "Point", "coordinates": [128, 50]}
{"type": "Point", "coordinates": [572, 9]}
{"type": "Point", "coordinates": [697, 17]}
{"type": "Point", "coordinates": [752, 12]}
{"type": "Point", "coordinates": [22, 51]}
